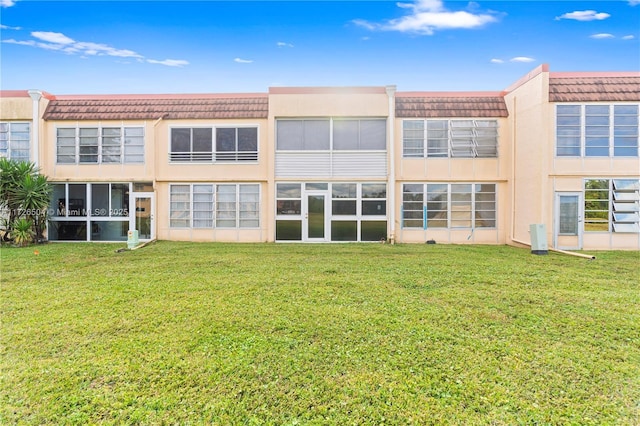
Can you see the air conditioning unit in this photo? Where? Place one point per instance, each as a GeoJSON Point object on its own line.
{"type": "Point", "coordinates": [538, 233]}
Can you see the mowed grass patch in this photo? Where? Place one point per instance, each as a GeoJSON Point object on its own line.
{"type": "Point", "coordinates": [318, 334]}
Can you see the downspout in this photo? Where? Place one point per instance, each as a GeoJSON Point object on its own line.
{"type": "Point", "coordinates": [391, 183]}
{"type": "Point", "coordinates": [513, 170]}
{"type": "Point", "coordinates": [35, 95]}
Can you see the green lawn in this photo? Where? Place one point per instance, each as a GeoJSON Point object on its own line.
{"type": "Point", "coordinates": [289, 334]}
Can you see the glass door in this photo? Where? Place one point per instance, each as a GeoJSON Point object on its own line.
{"type": "Point", "coordinates": [315, 217]}
{"type": "Point", "coordinates": [143, 218]}
{"type": "Point", "coordinates": [568, 223]}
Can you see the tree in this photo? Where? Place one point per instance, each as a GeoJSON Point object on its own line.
{"type": "Point", "coordinates": [24, 194]}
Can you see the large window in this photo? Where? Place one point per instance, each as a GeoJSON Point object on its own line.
{"type": "Point", "coordinates": [214, 205]}
{"type": "Point", "coordinates": [611, 205]}
{"type": "Point", "coordinates": [450, 138]}
{"type": "Point", "coordinates": [449, 205]}
{"type": "Point", "coordinates": [339, 134]}
{"type": "Point", "coordinates": [206, 144]}
{"type": "Point", "coordinates": [358, 211]}
{"type": "Point", "coordinates": [597, 130]}
{"type": "Point", "coordinates": [14, 140]}
{"type": "Point", "coordinates": [89, 212]}
{"type": "Point", "coordinates": [95, 145]}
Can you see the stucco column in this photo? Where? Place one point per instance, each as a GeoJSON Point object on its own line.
{"type": "Point", "coordinates": [36, 95]}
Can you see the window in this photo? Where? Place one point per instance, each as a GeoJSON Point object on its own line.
{"type": "Point", "coordinates": [303, 135]}
{"type": "Point", "coordinates": [204, 144]}
{"type": "Point", "coordinates": [214, 206]}
{"type": "Point", "coordinates": [237, 144]}
{"type": "Point", "coordinates": [357, 135]}
{"type": "Point", "coordinates": [337, 134]}
{"type": "Point", "coordinates": [89, 212]}
{"type": "Point", "coordinates": [445, 205]}
{"type": "Point", "coordinates": [611, 205]}
{"type": "Point", "coordinates": [96, 145]}
{"type": "Point", "coordinates": [358, 210]}
{"type": "Point", "coordinates": [193, 144]}
{"type": "Point", "coordinates": [450, 138]}
{"type": "Point", "coordinates": [597, 130]}
{"type": "Point", "coordinates": [14, 140]}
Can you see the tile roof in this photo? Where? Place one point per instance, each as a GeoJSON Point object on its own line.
{"type": "Point", "coordinates": [441, 105]}
{"type": "Point", "coordinates": [588, 88]}
{"type": "Point", "coordinates": [152, 107]}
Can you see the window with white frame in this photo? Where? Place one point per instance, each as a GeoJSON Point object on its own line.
{"type": "Point", "coordinates": [100, 145]}
{"type": "Point", "coordinates": [89, 212]}
{"type": "Point", "coordinates": [208, 144]}
{"type": "Point", "coordinates": [597, 130]}
{"type": "Point", "coordinates": [214, 205]}
{"type": "Point", "coordinates": [612, 205]}
{"type": "Point", "coordinates": [338, 134]}
{"type": "Point", "coordinates": [15, 139]}
{"type": "Point", "coordinates": [450, 138]}
{"type": "Point", "coordinates": [448, 205]}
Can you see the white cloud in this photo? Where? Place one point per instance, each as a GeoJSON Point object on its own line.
{"type": "Point", "coordinates": [169, 62]}
{"type": "Point", "coordinates": [602, 36]}
{"type": "Point", "coordinates": [283, 44]}
{"type": "Point", "coordinates": [497, 61]}
{"type": "Point", "coordinates": [243, 61]}
{"type": "Point", "coordinates": [628, 37]}
{"type": "Point", "coordinates": [524, 59]}
{"type": "Point", "coordinates": [584, 15]}
{"type": "Point", "coordinates": [50, 37]}
{"type": "Point", "coordinates": [24, 43]}
{"type": "Point", "coordinates": [7, 3]}
{"type": "Point", "coordinates": [427, 16]}
{"type": "Point", "coordinates": [54, 41]}
{"type": "Point", "coordinates": [634, 2]}
{"type": "Point", "coordinates": [7, 27]}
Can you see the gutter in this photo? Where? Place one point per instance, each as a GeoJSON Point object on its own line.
{"type": "Point", "coordinates": [391, 191]}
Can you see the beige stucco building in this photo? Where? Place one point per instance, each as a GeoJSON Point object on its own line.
{"type": "Point", "coordinates": [359, 164]}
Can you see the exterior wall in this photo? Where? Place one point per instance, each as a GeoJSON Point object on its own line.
{"type": "Point", "coordinates": [530, 117]}
{"type": "Point", "coordinates": [16, 107]}
{"type": "Point", "coordinates": [97, 172]}
{"type": "Point", "coordinates": [168, 173]}
{"type": "Point", "coordinates": [299, 103]}
{"type": "Point", "coordinates": [593, 240]}
{"type": "Point", "coordinates": [328, 102]}
{"type": "Point", "coordinates": [166, 232]}
{"type": "Point", "coordinates": [538, 174]}
{"type": "Point", "coordinates": [527, 174]}
{"type": "Point", "coordinates": [456, 170]}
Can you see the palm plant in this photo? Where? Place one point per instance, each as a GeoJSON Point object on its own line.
{"type": "Point", "coordinates": [24, 194]}
{"type": "Point", "coordinates": [22, 232]}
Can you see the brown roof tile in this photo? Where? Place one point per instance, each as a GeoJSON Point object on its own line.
{"type": "Point", "coordinates": [139, 107]}
{"type": "Point", "coordinates": [594, 88]}
{"type": "Point", "coordinates": [434, 105]}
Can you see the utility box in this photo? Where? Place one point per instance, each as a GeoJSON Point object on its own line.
{"type": "Point", "coordinates": [538, 233]}
{"type": "Point", "coordinates": [132, 238]}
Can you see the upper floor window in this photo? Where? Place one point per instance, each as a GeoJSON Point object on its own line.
{"type": "Point", "coordinates": [14, 140]}
{"type": "Point", "coordinates": [96, 145]}
{"type": "Point", "coordinates": [332, 134]}
{"type": "Point", "coordinates": [450, 138]}
{"type": "Point", "coordinates": [204, 144]}
{"type": "Point", "coordinates": [597, 130]}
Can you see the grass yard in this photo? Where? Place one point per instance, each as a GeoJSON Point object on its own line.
{"type": "Point", "coordinates": [288, 334]}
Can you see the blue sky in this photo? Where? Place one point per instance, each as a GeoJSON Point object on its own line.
{"type": "Point", "coordinates": [96, 47]}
